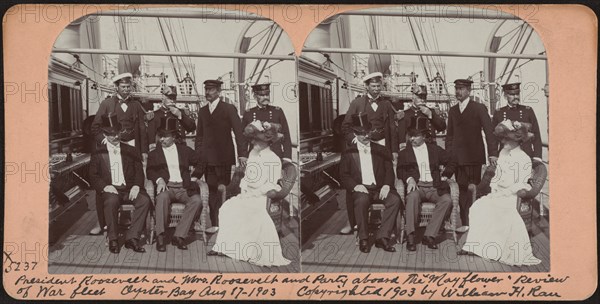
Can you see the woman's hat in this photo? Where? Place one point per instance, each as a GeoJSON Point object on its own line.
{"type": "Point", "coordinates": [263, 131]}
{"type": "Point", "coordinates": [110, 123]}
{"type": "Point", "coordinates": [514, 130]}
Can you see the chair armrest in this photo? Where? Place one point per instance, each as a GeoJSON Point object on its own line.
{"type": "Point", "coordinates": [537, 181]}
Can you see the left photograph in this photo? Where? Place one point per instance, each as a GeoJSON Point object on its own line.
{"type": "Point", "coordinates": [173, 144]}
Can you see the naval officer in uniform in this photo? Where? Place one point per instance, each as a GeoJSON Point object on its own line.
{"type": "Point", "coordinates": [514, 111]}
{"type": "Point", "coordinates": [264, 111]}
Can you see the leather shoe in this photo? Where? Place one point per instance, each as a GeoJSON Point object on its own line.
{"type": "Point", "coordinates": [179, 242]}
{"type": "Point", "coordinates": [97, 231]}
{"type": "Point", "coordinates": [364, 246]}
{"type": "Point", "coordinates": [113, 246]}
{"type": "Point", "coordinates": [160, 243]}
{"type": "Point", "coordinates": [410, 243]}
{"type": "Point", "coordinates": [347, 230]}
{"type": "Point", "coordinates": [134, 245]}
{"type": "Point", "coordinates": [430, 242]}
{"type": "Point", "coordinates": [383, 244]}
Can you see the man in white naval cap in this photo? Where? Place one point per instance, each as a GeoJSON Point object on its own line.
{"type": "Point", "coordinates": [130, 115]}
{"type": "Point", "coordinates": [381, 116]}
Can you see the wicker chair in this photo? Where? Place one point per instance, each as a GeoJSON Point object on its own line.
{"type": "Point", "coordinates": [178, 208]}
{"type": "Point", "coordinates": [275, 201]}
{"type": "Point", "coordinates": [129, 208]}
{"type": "Point", "coordinates": [525, 199]}
{"type": "Point", "coordinates": [427, 210]}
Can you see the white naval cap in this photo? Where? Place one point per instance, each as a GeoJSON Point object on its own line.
{"type": "Point", "coordinates": [121, 76]}
{"type": "Point", "coordinates": [371, 76]}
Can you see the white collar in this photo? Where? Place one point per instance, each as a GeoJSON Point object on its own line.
{"type": "Point", "coordinates": [466, 101]}
{"type": "Point", "coordinates": [214, 102]}
{"type": "Point", "coordinates": [171, 148]}
{"type": "Point", "coordinates": [112, 147]}
{"type": "Point", "coordinates": [371, 97]}
{"type": "Point", "coordinates": [362, 146]}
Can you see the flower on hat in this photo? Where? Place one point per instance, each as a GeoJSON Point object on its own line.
{"type": "Point", "coordinates": [258, 124]}
{"type": "Point", "coordinates": [508, 124]}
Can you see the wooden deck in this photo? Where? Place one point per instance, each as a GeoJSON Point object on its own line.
{"type": "Point", "coordinates": [325, 250]}
{"type": "Point", "coordinates": [73, 251]}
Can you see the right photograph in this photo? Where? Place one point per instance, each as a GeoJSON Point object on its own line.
{"type": "Point", "coordinates": [424, 142]}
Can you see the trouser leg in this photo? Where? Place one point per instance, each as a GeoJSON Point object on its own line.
{"type": "Point", "coordinates": [163, 203]}
{"type": "Point", "coordinates": [192, 205]}
{"type": "Point", "coordinates": [111, 203]}
{"type": "Point", "coordinates": [392, 207]}
{"type": "Point", "coordinates": [141, 204]}
{"type": "Point", "coordinates": [442, 207]}
{"type": "Point", "coordinates": [361, 202]}
{"type": "Point", "coordinates": [413, 209]}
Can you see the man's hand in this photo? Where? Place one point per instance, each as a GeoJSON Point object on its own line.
{"type": "Point", "coordinates": [152, 147]}
{"type": "Point", "coordinates": [361, 188]}
{"type": "Point", "coordinates": [402, 146]}
{"type": "Point", "coordinates": [425, 110]}
{"type": "Point", "coordinates": [394, 156]}
{"type": "Point", "coordinates": [161, 186]}
{"type": "Point", "coordinates": [493, 160]}
{"type": "Point", "coordinates": [443, 178]}
{"type": "Point", "coordinates": [243, 161]}
{"type": "Point", "coordinates": [383, 193]}
{"type": "Point", "coordinates": [412, 185]}
{"type": "Point", "coordinates": [133, 193]}
{"type": "Point", "coordinates": [175, 111]}
{"type": "Point", "coordinates": [110, 189]}
{"type": "Point", "coordinates": [144, 157]}
{"type": "Point", "coordinates": [104, 141]}
{"type": "Point", "coordinates": [284, 160]}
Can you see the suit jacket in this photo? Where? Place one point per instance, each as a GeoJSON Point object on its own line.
{"type": "Point", "coordinates": [184, 124]}
{"type": "Point", "coordinates": [408, 166]}
{"type": "Point", "coordinates": [132, 121]}
{"type": "Point", "coordinates": [157, 166]}
{"type": "Point", "coordinates": [350, 170]}
{"type": "Point", "coordinates": [382, 119]}
{"type": "Point", "coordinates": [437, 123]}
{"type": "Point", "coordinates": [269, 113]}
{"type": "Point", "coordinates": [522, 113]}
{"type": "Point", "coordinates": [213, 134]}
{"type": "Point", "coordinates": [100, 168]}
{"type": "Point", "coordinates": [463, 137]}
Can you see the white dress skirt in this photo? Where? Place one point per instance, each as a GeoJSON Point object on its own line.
{"type": "Point", "coordinates": [246, 231]}
{"type": "Point", "coordinates": [496, 229]}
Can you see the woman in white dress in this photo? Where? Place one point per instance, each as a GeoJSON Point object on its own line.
{"type": "Point", "coordinates": [497, 231]}
{"type": "Point", "coordinates": [247, 231]}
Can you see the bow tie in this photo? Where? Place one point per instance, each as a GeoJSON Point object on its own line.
{"type": "Point", "coordinates": [372, 100]}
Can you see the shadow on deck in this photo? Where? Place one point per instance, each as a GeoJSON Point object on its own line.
{"type": "Point", "coordinates": [73, 251]}
{"type": "Point", "coordinates": [325, 250]}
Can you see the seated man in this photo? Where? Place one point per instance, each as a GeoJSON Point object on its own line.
{"type": "Point", "coordinates": [419, 167]}
{"type": "Point", "coordinates": [116, 173]}
{"type": "Point", "coordinates": [367, 174]}
{"type": "Point", "coordinates": [168, 168]}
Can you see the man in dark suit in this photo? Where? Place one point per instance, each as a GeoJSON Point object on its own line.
{"type": "Point", "coordinates": [514, 111]}
{"type": "Point", "coordinates": [116, 174]}
{"type": "Point", "coordinates": [381, 116]}
{"type": "Point", "coordinates": [214, 145]}
{"type": "Point", "coordinates": [168, 109]}
{"type": "Point", "coordinates": [266, 112]}
{"type": "Point", "coordinates": [367, 174]}
{"type": "Point", "coordinates": [169, 169]}
{"type": "Point", "coordinates": [419, 167]}
{"type": "Point", "coordinates": [466, 120]}
{"type": "Point", "coordinates": [432, 123]}
{"type": "Point", "coordinates": [130, 115]}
